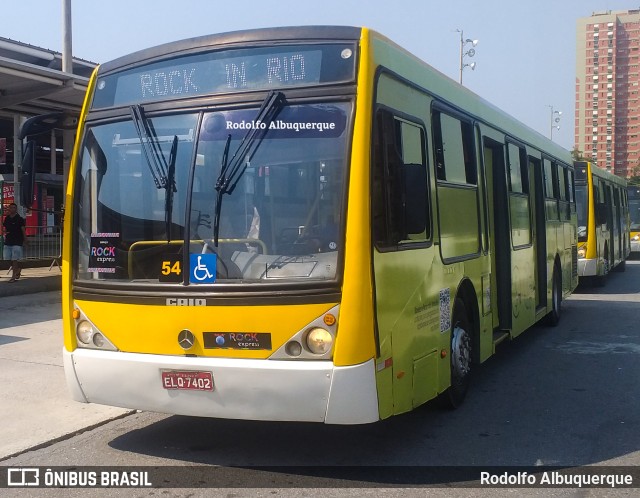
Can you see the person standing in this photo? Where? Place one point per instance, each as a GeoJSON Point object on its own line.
{"type": "Point", "coordinates": [15, 236]}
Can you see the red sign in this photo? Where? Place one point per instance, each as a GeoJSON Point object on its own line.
{"type": "Point", "coordinates": [8, 197]}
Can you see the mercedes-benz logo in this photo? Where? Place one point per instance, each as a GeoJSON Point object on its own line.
{"type": "Point", "coordinates": [186, 339]}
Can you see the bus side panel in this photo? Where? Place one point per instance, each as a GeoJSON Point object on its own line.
{"type": "Point", "coordinates": [407, 290]}
{"type": "Point", "coordinates": [355, 342]}
{"type": "Point", "coordinates": [633, 192]}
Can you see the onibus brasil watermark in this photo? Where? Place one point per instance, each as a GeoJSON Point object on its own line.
{"type": "Point", "coordinates": [76, 478]}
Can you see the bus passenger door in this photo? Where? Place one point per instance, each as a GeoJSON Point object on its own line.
{"type": "Point", "coordinates": [499, 233]}
{"type": "Point", "coordinates": [611, 222]}
{"type": "Point", "coordinates": [520, 235]}
{"type": "Point", "coordinates": [540, 237]}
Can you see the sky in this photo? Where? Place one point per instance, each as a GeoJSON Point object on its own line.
{"type": "Point", "coordinates": [525, 57]}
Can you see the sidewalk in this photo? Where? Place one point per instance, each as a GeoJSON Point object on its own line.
{"type": "Point", "coordinates": [35, 405]}
{"type": "Point", "coordinates": [32, 280]}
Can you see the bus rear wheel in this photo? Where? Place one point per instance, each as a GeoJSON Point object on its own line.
{"type": "Point", "coordinates": [460, 357]}
{"type": "Point", "coordinates": [600, 280]}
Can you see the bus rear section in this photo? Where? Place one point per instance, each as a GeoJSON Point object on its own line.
{"type": "Point", "coordinates": [634, 216]}
{"type": "Point", "coordinates": [603, 222]}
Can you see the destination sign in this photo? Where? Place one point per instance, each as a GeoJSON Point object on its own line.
{"type": "Point", "coordinates": [227, 71]}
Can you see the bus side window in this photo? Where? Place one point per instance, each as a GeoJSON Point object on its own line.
{"type": "Point", "coordinates": [519, 205]}
{"type": "Point", "coordinates": [454, 150]}
{"type": "Point", "coordinates": [571, 185]}
{"type": "Point", "coordinates": [599, 202]}
{"type": "Point", "coordinates": [518, 174]}
{"type": "Point", "coordinates": [399, 182]}
{"type": "Point", "coordinates": [551, 190]}
{"type": "Point", "coordinates": [563, 193]}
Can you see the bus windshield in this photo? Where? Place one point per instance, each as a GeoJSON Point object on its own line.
{"type": "Point", "coordinates": [280, 219]}
{"type": "Point", "coordinates": [582, 203]}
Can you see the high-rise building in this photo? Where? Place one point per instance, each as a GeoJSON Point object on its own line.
{"type": "Point", "coordinates": [607, 119]}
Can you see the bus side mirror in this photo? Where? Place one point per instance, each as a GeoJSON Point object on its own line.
{"type": "Point", "coordinates": [44, 123]}
{"type": "Point", "coordinates": [28, 177]}
{"type": "Point", "coordinates": [415, 198]}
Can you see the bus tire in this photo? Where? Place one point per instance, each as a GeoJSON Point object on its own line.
{"type": "Point", "coordinates": [600, 280]}
{"type": "Point", "coordinates": [460, 358]}
{"type": "Point", "coordinates": [553, 317]}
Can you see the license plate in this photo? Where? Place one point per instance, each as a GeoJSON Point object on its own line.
{"type": "Point", "coordinates": [187, 381]}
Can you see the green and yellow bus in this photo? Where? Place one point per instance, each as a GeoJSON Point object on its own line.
{"type": "Point", "coordinates": [302, 224]}
{"type": "Point", "coordinates": [603, 222]}
{"type": "Point", "coordinates": [634, 215]}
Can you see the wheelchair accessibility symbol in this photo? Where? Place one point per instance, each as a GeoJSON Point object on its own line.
{"type": "Point", "coordinates": [202, 268]}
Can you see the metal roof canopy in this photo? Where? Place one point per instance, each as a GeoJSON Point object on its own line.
{"type": "Point", "coordinates": [32, 82]}
{"type": "Point", "coordinates": [30, 90]}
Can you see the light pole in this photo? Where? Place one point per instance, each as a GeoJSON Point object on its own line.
{"type": "Point", "coordinates": [554, 121]}
{"type": "Point", "coordinates": [469, 53]}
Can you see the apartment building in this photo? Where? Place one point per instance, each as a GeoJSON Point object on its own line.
{"type": "Point", "coordinates": [607, 115]}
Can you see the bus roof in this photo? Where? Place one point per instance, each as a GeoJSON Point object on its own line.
{"type": "Point", "coordinates": [233, 38]}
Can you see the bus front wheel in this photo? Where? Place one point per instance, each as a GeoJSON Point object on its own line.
{"type": "Point", "coordinates": [460, 357]}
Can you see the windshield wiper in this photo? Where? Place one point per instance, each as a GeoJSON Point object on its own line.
{"type": "Point", "coordinates": [162, 172]}
{"type": "Point", "coordinates": [150, 147]}
{"type": "Point", "coordinates": [170, 188]}
{"type": "Point", "coordinates": [231, 171]}
{"type": "Point", "coordinates": [223, 170]}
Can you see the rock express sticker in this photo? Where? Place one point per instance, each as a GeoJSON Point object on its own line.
{"type": "Point", "coordinates": [237, 340]}
{"type": "Point", "coordinates": [102, 255]}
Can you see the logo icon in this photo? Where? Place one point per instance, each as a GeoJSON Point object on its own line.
{"type": "Point", "coordinates": [23, 477]}
{"type": "Point", "coordinates": [202, 268]}
{"type": "Point", "coordinates": [186, 339]}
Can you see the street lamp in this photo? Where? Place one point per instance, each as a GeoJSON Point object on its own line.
{"type": "Point", "coordinates": [469, 53]}
{"type": "Point", "coordinates": [554, 121]}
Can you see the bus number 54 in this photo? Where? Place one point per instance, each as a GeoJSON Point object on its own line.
{"type": "Point", "coordinates": [171, 270]}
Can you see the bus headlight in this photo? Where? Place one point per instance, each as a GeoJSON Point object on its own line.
{"type": "Point", "coordinates": [582, 252]}
{"type": "Point", "coordinates": [90, 337]}
{"type": "Point", "coordinates": [636, 237]}
{"type": "Point", "coordinates": [85, 332]}
{"type": "Point", "coordinates": [319, 341]}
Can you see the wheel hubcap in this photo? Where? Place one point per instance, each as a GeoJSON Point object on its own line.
{"type": "Point", "coordinates": [460, 353]}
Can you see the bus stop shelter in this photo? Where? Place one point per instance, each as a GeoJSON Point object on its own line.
{"type": "Point", "coordinates": [32, 83]}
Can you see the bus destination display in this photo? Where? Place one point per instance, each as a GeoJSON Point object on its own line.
{"type": "Point", "coordinates": [227, 71]}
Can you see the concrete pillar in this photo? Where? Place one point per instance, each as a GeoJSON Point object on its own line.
{"type": "Point", "coordinates": [67, 66]}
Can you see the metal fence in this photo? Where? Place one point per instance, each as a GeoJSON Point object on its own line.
{"type": "Point", "coordinates": [44, 243]}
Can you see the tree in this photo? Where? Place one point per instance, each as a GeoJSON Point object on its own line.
{"type": "Point", "coordinates": [634, 179]}
{"type": "Point", "coordinates": [578, 155]}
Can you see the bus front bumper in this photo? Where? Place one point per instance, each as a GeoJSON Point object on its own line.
{"type": "Point", "coordinates": [587, 267]}
{"type": "Point", "coordinates": [305, 391]}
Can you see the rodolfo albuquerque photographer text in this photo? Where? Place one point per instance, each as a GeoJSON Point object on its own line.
{"type": "Point", "coordinates": [557, 479]}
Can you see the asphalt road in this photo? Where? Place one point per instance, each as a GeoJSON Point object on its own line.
{"type": "Point", "coordinates": [565, 396]}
